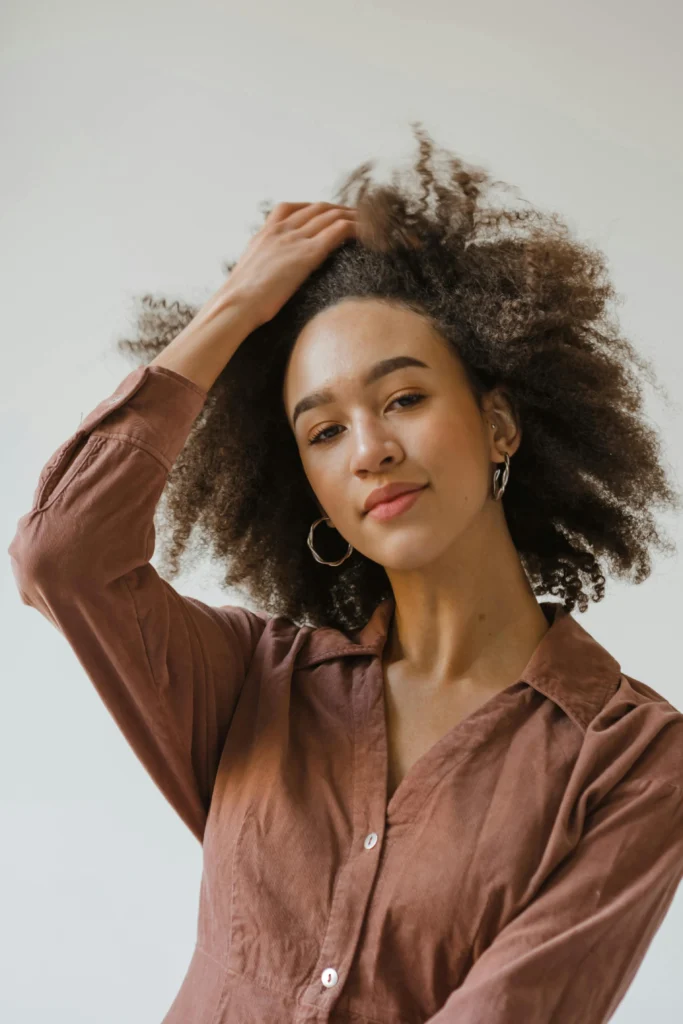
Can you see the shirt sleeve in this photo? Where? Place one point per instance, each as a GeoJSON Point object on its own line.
{"type": "Point", "coordinates": [572, 952]}
{"type": "Point", "coordinates": [169, 668]}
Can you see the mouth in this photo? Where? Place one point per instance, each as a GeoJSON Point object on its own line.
{"type": "Point", "coordinates": [401, 503]}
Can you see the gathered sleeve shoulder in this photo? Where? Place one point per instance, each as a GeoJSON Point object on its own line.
{"type": "Point", "coordinates": [168, 667]}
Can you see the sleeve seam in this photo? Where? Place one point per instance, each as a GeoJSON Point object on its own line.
{"type": "Point", "coordinates": [175, 375]}
{"type": "Point", "coordinates": [74, 468]}
{"type": "Point", "coordinates": [139, 443]}
{"type": "Point", "coordinates": [155, 684]}
{"type": "Point", "coordinates": [169, 724]}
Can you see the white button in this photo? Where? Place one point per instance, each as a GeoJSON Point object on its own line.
{"type": "Point", "coordinates": [370, 840]}
{"type": "Point", "coordinates": [329, 977]}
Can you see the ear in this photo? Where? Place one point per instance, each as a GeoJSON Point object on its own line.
{"type": "Point", "coordinates": [501, 423]}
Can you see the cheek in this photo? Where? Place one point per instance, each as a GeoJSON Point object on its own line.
{"type": "Point", "coordinates": [324, 480]}
{"type": "Point", "coordinates": [453, 454]}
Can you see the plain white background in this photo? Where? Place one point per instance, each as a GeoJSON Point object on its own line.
{"type": "Point", "coordinates": [138, 141]}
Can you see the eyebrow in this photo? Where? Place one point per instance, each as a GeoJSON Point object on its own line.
{"type": "Point", "coordinates": [380, 369]}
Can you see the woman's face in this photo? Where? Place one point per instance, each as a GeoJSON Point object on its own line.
{"type": "Point", "coordinates": [419, 424]}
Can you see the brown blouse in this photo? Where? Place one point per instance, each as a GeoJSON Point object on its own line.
{"type": "Point", "coordinates": [517, 874]}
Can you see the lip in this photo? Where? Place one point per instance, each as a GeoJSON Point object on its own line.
{"type": "Point", "coordinates": [389, 492]}
{"type": "Point", "coordinates": [401, 502]}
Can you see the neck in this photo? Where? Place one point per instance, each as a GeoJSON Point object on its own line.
{"type": "Point", "coordinates": [471, 618]}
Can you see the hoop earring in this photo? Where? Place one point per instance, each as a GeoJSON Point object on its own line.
{"type": "Point", "coordinates": [504, 473]}
{"type": "Point", "coordinates": [315, 553]}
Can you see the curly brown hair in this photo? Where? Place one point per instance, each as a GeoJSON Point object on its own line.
{"type": "Point", "coordinates": [525, 306]}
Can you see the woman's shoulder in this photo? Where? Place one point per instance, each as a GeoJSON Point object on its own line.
{"type": "Point", "coordinates": [643, 694]}
{"type": "Point", "coordinates": [643, 730]}
{"type": "Point", "coordinates": [635, 693]}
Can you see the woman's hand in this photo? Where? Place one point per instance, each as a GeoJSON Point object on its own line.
{"type": "Point", "coordinates": [294, 240]}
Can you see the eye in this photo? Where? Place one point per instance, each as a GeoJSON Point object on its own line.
{"type": "Point", "coordinates": [414, 396]}
{"type": "Point", "coordinates": [410, 394]}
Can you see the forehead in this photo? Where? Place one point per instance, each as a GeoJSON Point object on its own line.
{"type": "Point", "coordinates": [338, 345]}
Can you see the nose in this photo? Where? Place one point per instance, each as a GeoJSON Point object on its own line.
{"type": "Point", "coordinates": [373, 449]}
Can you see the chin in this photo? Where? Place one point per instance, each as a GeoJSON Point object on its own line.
{"type": "Point", "coordinates": [415, 550]}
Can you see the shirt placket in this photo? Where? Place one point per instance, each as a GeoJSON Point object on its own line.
{"type": "Point", "coordinates": [357, 875]}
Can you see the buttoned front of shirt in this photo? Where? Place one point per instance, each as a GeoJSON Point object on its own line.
{"type": "Point", "coordinates": [541, 836]}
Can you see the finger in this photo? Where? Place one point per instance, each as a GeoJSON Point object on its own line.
{"type": "Point", "coordinates": [281, 211]}
{"type": "Point", "coordinates": [322, 220]}
{"type": "Point", "coordinates": [336, 233]}
{"type": "Point", "coordinates": [302, 217]}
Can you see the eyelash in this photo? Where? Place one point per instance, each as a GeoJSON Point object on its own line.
{"type": "Point", "coordinates": [410, 394]}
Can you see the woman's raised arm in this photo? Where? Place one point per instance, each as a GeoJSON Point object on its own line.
{"type": "Point", "coordinates": [169, 668]}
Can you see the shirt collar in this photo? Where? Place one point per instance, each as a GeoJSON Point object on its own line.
{"type": "Point", "coordinates": [568, 665]}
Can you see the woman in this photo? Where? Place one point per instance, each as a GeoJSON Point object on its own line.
{"type": "Point", "coordinates": [422, 794]}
